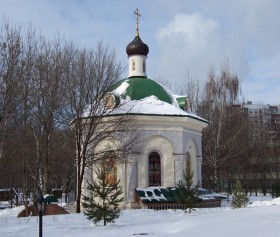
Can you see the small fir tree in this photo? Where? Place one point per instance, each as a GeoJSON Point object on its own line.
{"type": "Point", "coordinates": [103, 202]}
{"type": "Point", "coordinates": [186, 192]}
{"type": "Point", "coordinates": [239, 198]}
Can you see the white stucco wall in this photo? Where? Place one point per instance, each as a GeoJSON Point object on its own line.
{"type": "Point", "coordinates": [172, 138]}
{"type": "Point", "coordinates": [164, 148]}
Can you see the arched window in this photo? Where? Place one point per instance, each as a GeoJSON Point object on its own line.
{"type": "Point", "coordinates": [188, 162]}
{"type": "Point", "coordinates": [111, 170]}
{"type": "Point", "coordinates": [154, 169]}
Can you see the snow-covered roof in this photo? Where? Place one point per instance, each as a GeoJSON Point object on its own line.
{"type": "Point", "coordinates": [150, 194]}
{"type": "Point", "coordinates": [143, 96]}
{"type": "Point", "coordinates": [152, 106]}
{"type": "Point", "coordinates": [163, 194]}
{"type": "Point", "coordinates": [136, 88]}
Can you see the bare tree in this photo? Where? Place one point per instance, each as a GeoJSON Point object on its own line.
{"type": "Point", "coordinates": [193, 90]}
{"type": "Point", "coordinates": [43, 85]}
{"type": "Point", "coordinates": [94, 73]}
{"type": "Point", "coordinates": [32, 88]}
{"type": "Point", "coordinates": [9, 59]}
{"type": "Point", "coordinates": [48, 94]}
{"type": "Point", "coordinates": [227, 124]}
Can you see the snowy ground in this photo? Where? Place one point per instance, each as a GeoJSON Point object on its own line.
{"type": "Point", "coordinates": [261, 218]}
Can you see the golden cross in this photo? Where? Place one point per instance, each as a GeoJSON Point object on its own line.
{"type": "Point", "coordinates": [137, 21]}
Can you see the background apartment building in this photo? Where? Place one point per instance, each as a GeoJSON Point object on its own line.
{"type": "Point", "coordinates": [260, 169]}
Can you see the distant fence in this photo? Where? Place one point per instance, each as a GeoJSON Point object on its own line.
{"type": "Point", "coordinates": [250, 186]}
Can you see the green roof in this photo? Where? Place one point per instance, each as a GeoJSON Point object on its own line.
{"type": "Point", "coordinates": [142, 87]}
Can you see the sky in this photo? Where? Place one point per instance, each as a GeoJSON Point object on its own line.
{"type": "Point", "coordinates": [185, 37]}
{"type": "Point", "coordinates": [261, 218]}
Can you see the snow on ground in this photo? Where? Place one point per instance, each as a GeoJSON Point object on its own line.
{"type": "Point", "coordinates": [260, 218]}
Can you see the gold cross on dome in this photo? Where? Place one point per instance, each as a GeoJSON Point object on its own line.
{"type": "Point", "coordinates": [136, 12]}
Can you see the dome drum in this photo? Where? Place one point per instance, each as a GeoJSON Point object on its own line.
{"type": "Point", "coordinates": [137, 66]}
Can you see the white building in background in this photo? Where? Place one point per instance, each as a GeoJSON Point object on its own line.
{"type": "Point", "coordinates": [265, 115]}
{"type": "Point", "coordinates": [171, 135]}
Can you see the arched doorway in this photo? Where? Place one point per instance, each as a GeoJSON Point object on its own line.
{"type": "Point", "coordinates": [154, 169]}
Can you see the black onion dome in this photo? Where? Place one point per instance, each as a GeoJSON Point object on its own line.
{"type": "Point", "coordinates": [137, 47]}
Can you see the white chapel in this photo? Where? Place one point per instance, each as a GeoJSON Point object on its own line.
{"type": "Point", "coordinates": [171, 133]}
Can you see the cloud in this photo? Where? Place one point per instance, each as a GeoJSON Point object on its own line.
{"type": "Point", "coordinates": [194, 29]}
{"type": "Point", "coordinates": [188, 36]}
{"type": "Point", "coordinates": [191, 43]}
{"type": "Point", "coordinates": [243, 33]}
